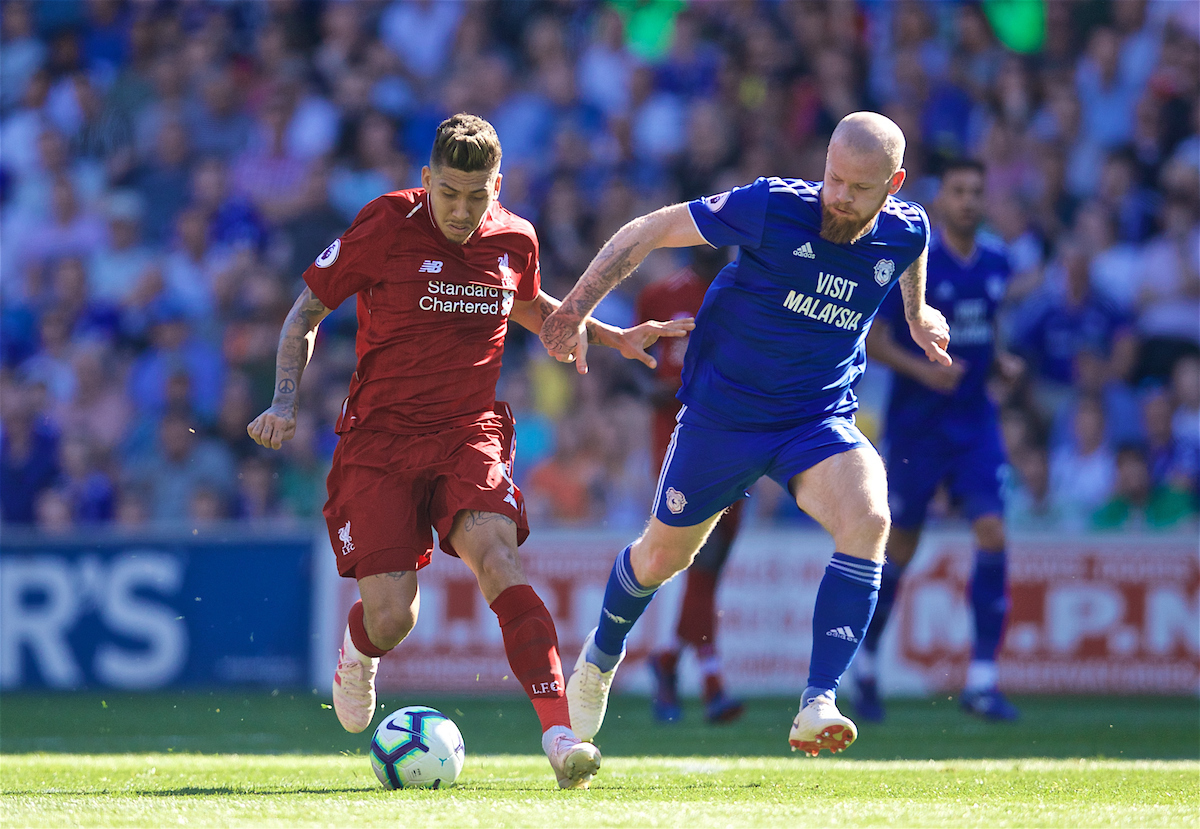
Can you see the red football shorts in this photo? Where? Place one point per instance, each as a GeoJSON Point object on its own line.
{"type": "Point", "coordinates": [387, 493]}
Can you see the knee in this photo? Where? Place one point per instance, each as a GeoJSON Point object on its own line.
{"type": "Point", "coordinates": [388, 624]}
{"type": "Point", "coordinates": [989, 533]}
{"type": "Point", "coordinates": [865, 534]}
{"type": "Point", "coordinates": [655, 561]}
{"type": "Point", "coordinates": [498, 569]}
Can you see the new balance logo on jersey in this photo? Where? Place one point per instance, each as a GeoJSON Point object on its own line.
{"type": "Point", "coordinates": [344, 537]}
{"type": "Point", "coordinates": [842, 633]}
{"type": "Point", "coordinates": [431, 266]}
{"type": "Point", "coordinates": [805, 251]}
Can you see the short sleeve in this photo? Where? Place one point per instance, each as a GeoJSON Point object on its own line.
{"type": "Point", "coordinates": [735, 217]}
{"type": "Point", "coordinates": [531, 276]}
{"type": "Point", "coordinates": [354, 262]}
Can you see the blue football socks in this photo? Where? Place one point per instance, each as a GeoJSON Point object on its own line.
{"type": "Point", "coordinates": [845, 602]}
{"type": "Point", "coordinates": [624, 602]}
{"type": "Point", "coordinates": [888, 585]}
{"type": "Point", "coordinates": [989, 603]}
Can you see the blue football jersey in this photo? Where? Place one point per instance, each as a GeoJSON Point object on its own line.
{"type": "Point", "coordinates": [779, 339]}
{"type": "Point", "coordinates": [968, 293]}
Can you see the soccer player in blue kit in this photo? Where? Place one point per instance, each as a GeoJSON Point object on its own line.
{"type": "Point", "coordinates": [768, 390]}
{"type": "Point", "coordinates": [943, 427]}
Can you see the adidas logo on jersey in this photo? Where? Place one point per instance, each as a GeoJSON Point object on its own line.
{"type": "Point", "coordinates": [842, 633]}
{"type": "Point", "coordinates": [431, 266]}
{"type": "Point", "coordinates": [805, 250]}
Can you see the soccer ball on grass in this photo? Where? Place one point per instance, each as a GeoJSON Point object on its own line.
{"type": "Point", "coordinates": [417, 747]}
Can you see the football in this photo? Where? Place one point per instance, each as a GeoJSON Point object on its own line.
{"type": "Point", "coordinates": [417, 747]}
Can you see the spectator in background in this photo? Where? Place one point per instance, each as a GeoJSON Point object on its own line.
{"type": "Point", "coordinates": [98, 412]}
{"type": "Point", "coordinates": [1131, 203]}
{"type": "Point", "coordinates": [192, 268]}
{"type": "Point", "coordinates": [232, 220]}
{"type": "Point", "coordinates": [266, 173]}
{"type": "Point", "coordinates": [123, 271]}
{"type": "Point", "coordinates": [1137, 502]}
{"type": "Point", "coordinates": [421, 34]}
{"type": "Point", "coordinates": [88, 489]}
{"type": "Point", "coordinates": [50, 366]}
{"type": "Point", "coordinates": [173, 348]}
{"type": "Point", "coordinates": [1107, 90]}
{"type": "Point", "coordinates": [181, 466]}
{"type": "Point", "coordinates": [216, 122]}
{"type": "Point", "coordinates": [1113, 262]}
{"type": "Point", "coordinates": [90, 318]}
{"type": "Point", "coordinates": [605, 69]}
{"type": "Point", "coordinates": [1083, 471]}
{"type": "Point", "coordinates": [1092, 380]}
{"type": "Point", "coordinates": [1063, 319]}
{"type": "Point", "coordinates": [162, 181]}
{"type": "Point", "coordinates": [70, 231]}
{"type": "Point", "coordinates": [374, 165]}
{"type": "Point", "coordinates": [22, 53]}
{"type": "Point", "coordinates": [1172, 461]}
{"type": "Point", "coordinates": [1027, 502]}
{"type": "Point", "coordinates": [28, 454]}
{"type": "Point", "coordinates": [1168, 293]}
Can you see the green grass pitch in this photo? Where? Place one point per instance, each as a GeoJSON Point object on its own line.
{"type": "Point", "coordinates": [229, 759]}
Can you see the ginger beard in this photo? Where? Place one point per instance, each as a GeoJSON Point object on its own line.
{"type": "Point", "coordinates": [843, 228]}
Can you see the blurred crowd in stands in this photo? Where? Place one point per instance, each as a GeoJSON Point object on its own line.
{"type": "Point", "coordinates": [168, 170]}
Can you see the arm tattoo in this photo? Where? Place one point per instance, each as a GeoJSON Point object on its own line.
{"type": "Point", "coordinates": [912, 287]}
{"type": "Point", "coordinates": [606, 271]}
{"type": "Point", "coordinates": [545, 308]}
{"type": "Point", "coordinates": [477, 517]}
{"type": "Point", "coordinates": [296, 342]}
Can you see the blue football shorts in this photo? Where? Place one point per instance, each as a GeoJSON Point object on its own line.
{"type": "Point", "coordinates": [973, 470]}
{"type": "Point", "coordinates": [708, 468]}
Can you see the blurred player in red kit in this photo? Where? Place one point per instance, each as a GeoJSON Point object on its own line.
{"type": "Point", "coordinates": [679, 297]}
{"type": "Point", "coordinates": [424, 445]}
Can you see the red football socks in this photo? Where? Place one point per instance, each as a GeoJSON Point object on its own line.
{"type": "Point", "coordinates": [532, 647]}
{"type": "Point", "coordinates": [696, 618]}
{"type": "Point", "coordinates": [358, 632]}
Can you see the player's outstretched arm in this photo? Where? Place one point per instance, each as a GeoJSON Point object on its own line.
{"type": "Point", "coordinates": [668, 227]}
{"type": "Point", "coordinates": [631, 342]}
{"type": "Point", "coordinates": [928, 327]}
{"type": "Point", "coordinates": [296, 341]}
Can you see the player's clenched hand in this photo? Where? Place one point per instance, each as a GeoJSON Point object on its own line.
{"type": "Point", "coordinates": [273, 427]}
{"type": "Point", "coordinates": [633, 342]}
{"type": "Point", "coordinates": [931, 331]}
{"type": "Point", "coordinates": [565, 339]}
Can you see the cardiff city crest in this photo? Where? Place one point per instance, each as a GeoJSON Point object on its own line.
{"type": "Point", "coordinates": [884, 269]}
{"type": "Point", "coordinates": [675, 501]}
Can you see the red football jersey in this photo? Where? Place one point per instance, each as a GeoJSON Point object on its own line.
{"type": "Point", "coordinates": [677, 296]}
{"type": "Point", "coordinates": [432, 314]}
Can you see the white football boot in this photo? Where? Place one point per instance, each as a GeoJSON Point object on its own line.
{"type": "Point", "coordinates": [574, 761]}
{"type": "Point", "coordinates": [587, 692]}
{"type": "Point", "coordinates": [821, 725]}
{"type": "Point", "coordinates": [354, 687]}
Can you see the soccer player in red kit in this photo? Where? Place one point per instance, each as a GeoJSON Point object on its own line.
{"type": "Point", "coordinates": [679, 297]}
{"type": "Point", "coordinates": [424, 445]}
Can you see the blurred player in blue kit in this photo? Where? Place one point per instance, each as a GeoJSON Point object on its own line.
{"type": "Point", "coordinates": [767, 389]}
{"type": "Point", "coordinates": [943, 428]}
